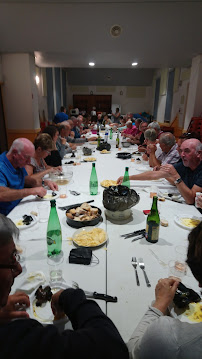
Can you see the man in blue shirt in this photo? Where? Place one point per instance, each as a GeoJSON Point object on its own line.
{"type": "Point", "coordinates": [61, 116]}
{"type": "Point", "coordinates": [13, 176]}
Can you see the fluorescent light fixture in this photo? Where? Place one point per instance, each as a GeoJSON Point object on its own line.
{"type": "Point", "coordinates": [37, 79]}
{"type": "Point", "coordinates": [134, 64]}
{"type": "Point", "coordinates": [91, 64]}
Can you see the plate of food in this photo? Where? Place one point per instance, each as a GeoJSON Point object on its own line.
{"type": "Point", "coordinates": [93, 143]}
{"type": "Point", "coordinates": [40, 304]}
{"type": "Point", "coordinates": [83, 215]}
{"type": "Point", "coordinates": [105, 152]}
{"type": "Point", "coordinates": [89, 159]}
{"type": "Point", "coordinates": [90, 237]}
{"type": "Point", "coordinates": [50, 195]}
{"type": "Point", "coordinates": [107, 183]}
{"type": "Point", "coordinates": [25, 221]}
{"type": "Point", "coordinates": [191, 314]}
{"type": "Point", "coordinates": [187, 221]}
{"type": "Point", "coordinates": [172, 195]}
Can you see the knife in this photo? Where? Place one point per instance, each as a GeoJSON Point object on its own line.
{"type": "Point", "coordinates": [65, 208]}
{"type": "Point", "coordinates": [106, 297]}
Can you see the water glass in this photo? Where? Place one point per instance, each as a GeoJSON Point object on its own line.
{"type": "Point", "coordinates": [55, 264]}
{"type": "Point", "coordinates": [43, 211]}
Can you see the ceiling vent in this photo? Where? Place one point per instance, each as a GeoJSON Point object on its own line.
{"type": "Point", "coordinates": [116, 30]}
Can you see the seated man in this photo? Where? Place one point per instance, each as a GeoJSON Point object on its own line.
{"type": "Point", "coordinates": [138, 139]}
{"type": "Point", "coordinates": [130, 130]}
{"type": "Point", "coordinates": [160, 336]}
{"type": "Point", "coordinates": [62, 145]}
{"type": "Point", "coordinates": [14, 178]}
{"type": "Point", "coordinates": [185, 175]}
{"type": "Point", "coordinates": [169, 152]}
{"type": "Point", "coordinates": [94, 334]}
{"type": "Point", "coordinates": [156, 127]}
{"type": "Point", "coordinates": [61, 116]}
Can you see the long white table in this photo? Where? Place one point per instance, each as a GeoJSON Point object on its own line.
{"type": "Point", "coordinates": [114, 275]}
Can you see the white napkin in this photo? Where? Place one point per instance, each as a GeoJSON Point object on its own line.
{"type": "Point", "coordinates": [32, 281]}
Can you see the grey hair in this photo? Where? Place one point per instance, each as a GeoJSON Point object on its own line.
{"type": "Point", "coordinates": [129, 121]}
{"type": "Point", "coordinates": [168, 139]}
{"type": "Point", "coordinates": [199, 147]}
{"type": "Point", "coordinates": [8, 230]}
{"type": "Point", "coordinates": [17, 145]}
{"type": "Point", "coordinates": [154, 125]}
{"type": "Point", "coordinates": [150, 134]}
{"type": "Point", "coordinates": [139, 120]}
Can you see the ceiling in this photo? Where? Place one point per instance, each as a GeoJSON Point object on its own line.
{"type": "Point", "coordinates": [69, 34]}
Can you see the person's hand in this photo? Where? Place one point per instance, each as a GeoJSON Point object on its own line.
{"type": "Point", "coordinates": [63, 140]}
{"type": "Point", "coordinates": [145, 157]}
{"type": "Point", "coordinates": [120, 180]}
{"type": "Point", "coordinates": [165, 291]}
{"type": "Point", "coordinates": [199, 201]}
{"type": "Point", "coordinates": [11, 309]}
{"type": "Point", "coordinates": [72, 134]}
{"type": "Point", "coordinates": [52, 185]}
{"type": "Point", "coordinates": [169, 171]}
{"type": "Point", "coordinates": [156, 168]}
{"type": "Point", "coordinates": [39, 191]}
{"type": "Point", "coordinates": [55, 306]}
{"type": "Point", "coordinates": [151, 148]}
{"type": "Point", "coordinates": [58, 168]}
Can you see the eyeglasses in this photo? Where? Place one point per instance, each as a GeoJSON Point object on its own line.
{"type": "Point", "coordinates": [48, 152]}
{"type": "Point", "coordinates": [14, 265]}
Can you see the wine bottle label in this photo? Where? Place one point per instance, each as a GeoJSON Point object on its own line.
{"type": "Point", "coordinates": [152, 231]}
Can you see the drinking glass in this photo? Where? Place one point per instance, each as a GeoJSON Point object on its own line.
{"type": "Point", "coordinates": [43, 210]}
{"type": "Point", "coordinates": [55, 265]}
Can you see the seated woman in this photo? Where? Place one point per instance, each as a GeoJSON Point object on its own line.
{"type": "Point", "coordinates": [43, 146]}
{"type": "Point", "coordinates": [54, 158]}
{"type": "Point", "coordinates": [158, 333]}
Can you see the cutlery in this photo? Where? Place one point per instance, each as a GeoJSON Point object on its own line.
{"type": "Point", "coordinates": [134, 263]}
{"type": "Point", "coordinates": [75, 193]}
{"type": "Point", "coordinates": [65, 208]}
{"type": "Point", "coordinates": [95, 295]}
{"type": "Point", "coordinates": [135, 233]}
{"type": "Point", "coordinates": [142, 266]}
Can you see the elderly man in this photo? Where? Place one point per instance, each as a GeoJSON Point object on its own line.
{"type": "Point", "coordinates": [61, 116]}
{"type": "Point", "coordinates": [139, 138]}
{"type": "Point", "coordinates": [169, 152]}
{"type": "Point", "coordinates": [94, 334]}
{"type": "Point", "coordinates": [185, 175]}
{"type": "Point", "coordinates": [62, 145]}
{"type": "Point", "coordinates": [13, 176]}
{"type": "Point", "coordinates": [156, 127]}
{"type": "Point", "coordinates": [130, 130]}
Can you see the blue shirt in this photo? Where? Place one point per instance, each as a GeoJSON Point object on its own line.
{"type": "Point", "coordinates": [77, 132]}
{"type": "Point", "coordinates": [11, 178]}
{"type": "Point", "coordinates": [189, 177]}
{"type": "Point", "coordinates": [60, 117]}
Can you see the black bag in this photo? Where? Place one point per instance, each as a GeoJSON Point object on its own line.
{"type": "Point", "coordinates": [80, 256]}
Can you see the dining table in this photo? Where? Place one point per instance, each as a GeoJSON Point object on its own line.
{"type": "Point", "coordinates": [111, 271]}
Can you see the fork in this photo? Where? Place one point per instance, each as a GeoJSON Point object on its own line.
{"type": "Point", "coordinates": [142, 266]}
{"type": "Point", "coordinates": [134, 263]}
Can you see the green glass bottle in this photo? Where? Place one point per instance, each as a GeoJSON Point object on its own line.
{"type": "Point", "coordinates": [126, 180]}
{"type": "Point", "coordinates": [54, 233]}
{"type": "Point", "coordinates": [93, 181]}
{"type": "Point", "coordinates": [117, 140]}
{"type": "Point", "coordinates": [153, 223]}
{"type": "Point", "coordinates": [98, 141]}
{"type": "Point", "coordinates": [111, 134]}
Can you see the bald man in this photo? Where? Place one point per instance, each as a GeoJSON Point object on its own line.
{"type": "Point", "coordinates": [169, 151]}
{"type": "Point", "coordinates": [185, 175]}
{"type": "Point", "coordinates": [13, 176]}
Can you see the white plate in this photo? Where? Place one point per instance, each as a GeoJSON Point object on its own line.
{"type": "Point", "coordinates": [44, 313]}
{"type": "Point", "coordinates": [24, 226]}
{"type": "Point", "coordinates": [178, 219]}
{"type": "Point", "coordinates": [87, 229]}
{"type": "Point", "coordinates": [87, 160]}
{"type": "Point", "coordinates": [68, 155]}
{"type": "Point", "coordinates": [105, 153]}
{"type": "Point", "coordinates": [109, 185]}
{"type": "Point", "coordinates": [49, 197]}
{"type": "Point", "coordinates": [142, 168]}
{"type": "Point", "coordinates": [180, 314]}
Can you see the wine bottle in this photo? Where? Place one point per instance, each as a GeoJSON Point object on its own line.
{"type": "Point", "coordinates": [111, 134]}
{"type": "Point", "coordinates": [98, 131]}
{"type": "Point", "coordinates": [153, 222]}
{"type": "Point", "coordinates": [98, 141]}
{"type": "Point", "coordinates": [126, 180]}
{"type": "Point", "coordinates": [106, 134]}
{"type": "Point", "coordinates": [93, 181]}
{"type": "Point", "coordinates": [117, 140]}
{"type": "Point", "coordinates": [54, 233]}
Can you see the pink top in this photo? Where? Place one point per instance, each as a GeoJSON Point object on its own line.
{"type": "Point", "coordinates": [131, 131]}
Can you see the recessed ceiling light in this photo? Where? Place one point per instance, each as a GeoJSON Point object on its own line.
{"type": "Point", "coordinates": [134, 64]}
{"type": "Point", "coordinates": [91, 64]}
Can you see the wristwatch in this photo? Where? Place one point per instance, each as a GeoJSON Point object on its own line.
{"type": "Point", "coordinates": [43, 183]}
{"type": "Point", "coordinates": [177, 181]}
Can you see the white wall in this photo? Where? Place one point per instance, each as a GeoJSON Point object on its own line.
{"type": "Point", "coordinates": [42, 93]}
{"type": "Point", "coordinates": [20, 96]}
{"type": "Point", "coordinates": [128, 104]}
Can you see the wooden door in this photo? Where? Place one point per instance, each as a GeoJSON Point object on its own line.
{"type": "Point", "coordinates": [87, 102]}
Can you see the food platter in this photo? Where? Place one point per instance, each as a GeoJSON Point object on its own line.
{"type": "Point", "coordinates": [187, 221]}
{"type": "Point", "coordinates": [192, 314]}
{"type": "Point", "coordinates": [89, 159]}
{"type": "Point", "coordinates": [90, 237]}
{"type": "Point", "coordinates": [44, 312]}
{"type": "Point", "coordinates": [19, 222]}
{"type": "Point", "coordinates": [107, 183]}
{"type": "Point", "coordinates": [78, 224]}
{"type": "Point", "coordinates": [105, 152]}
{"type": "Point", "coordinates": [49, 196]}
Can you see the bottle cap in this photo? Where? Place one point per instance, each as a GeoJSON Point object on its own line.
{"type": "Point", "coordinates": [53, 203]}
{"type": "Point", "coordinates": [127, 168]}
{"type": "Point", "coordinates": [93, 164]}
